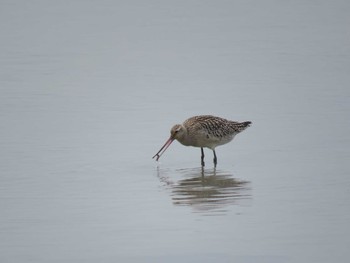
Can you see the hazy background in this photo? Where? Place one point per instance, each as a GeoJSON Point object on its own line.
{"type": "Point", "coordinates": [90, 89]}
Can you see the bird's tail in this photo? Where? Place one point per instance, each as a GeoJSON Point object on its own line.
{"type": "Point", "coordinates": [243, 125]}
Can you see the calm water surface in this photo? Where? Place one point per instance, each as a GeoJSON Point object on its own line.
{"type": "Point", "coordinates": [89, 92]}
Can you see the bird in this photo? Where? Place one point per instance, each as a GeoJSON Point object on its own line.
{"type": "Point", "coordinates": [204, 131]}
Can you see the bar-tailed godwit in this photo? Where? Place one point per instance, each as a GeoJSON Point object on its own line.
{"type": "Point", "coordinates": [204, 131]}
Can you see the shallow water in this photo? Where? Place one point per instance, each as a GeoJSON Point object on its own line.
{"type": "Point", "coordinates": [89, 92]}
{"type": "Point", "coordinates": [211, 192]}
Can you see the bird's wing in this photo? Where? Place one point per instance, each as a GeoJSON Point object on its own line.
{"type": "Point", "coordinates": [208, 125]}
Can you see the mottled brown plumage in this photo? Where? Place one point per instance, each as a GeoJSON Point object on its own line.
{"type": "Point", "coordinates": [204, 131]}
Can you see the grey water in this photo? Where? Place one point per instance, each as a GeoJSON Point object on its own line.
{"type": "Point", "coordinates": [90, 89]}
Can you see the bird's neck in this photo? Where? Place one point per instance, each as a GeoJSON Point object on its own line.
{"type": "Point", "coordinates": [185, 139]}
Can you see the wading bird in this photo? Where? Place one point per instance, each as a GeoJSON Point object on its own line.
{"type": "Point", "coordinates": [204, 131]}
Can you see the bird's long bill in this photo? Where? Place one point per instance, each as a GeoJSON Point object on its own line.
{"type": "Point", "coordinates": [164, 147]}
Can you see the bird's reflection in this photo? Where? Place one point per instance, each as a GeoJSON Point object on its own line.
{"type": "Point", "coordinates": [205, 190]}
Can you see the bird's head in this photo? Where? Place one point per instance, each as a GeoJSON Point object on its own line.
{"type": "Point", "coordinates": [177, 132]}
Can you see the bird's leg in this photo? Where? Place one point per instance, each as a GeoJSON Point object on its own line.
{"type": "Point", "coordinates": [202, 157]}
{"type": "Point", "coordinates": [202, 172]}
{"type": "Point", "coordinates": [215, 159]}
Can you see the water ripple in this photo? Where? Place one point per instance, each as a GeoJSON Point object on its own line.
{"type": "Point", "coordinates": [205, 190]}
